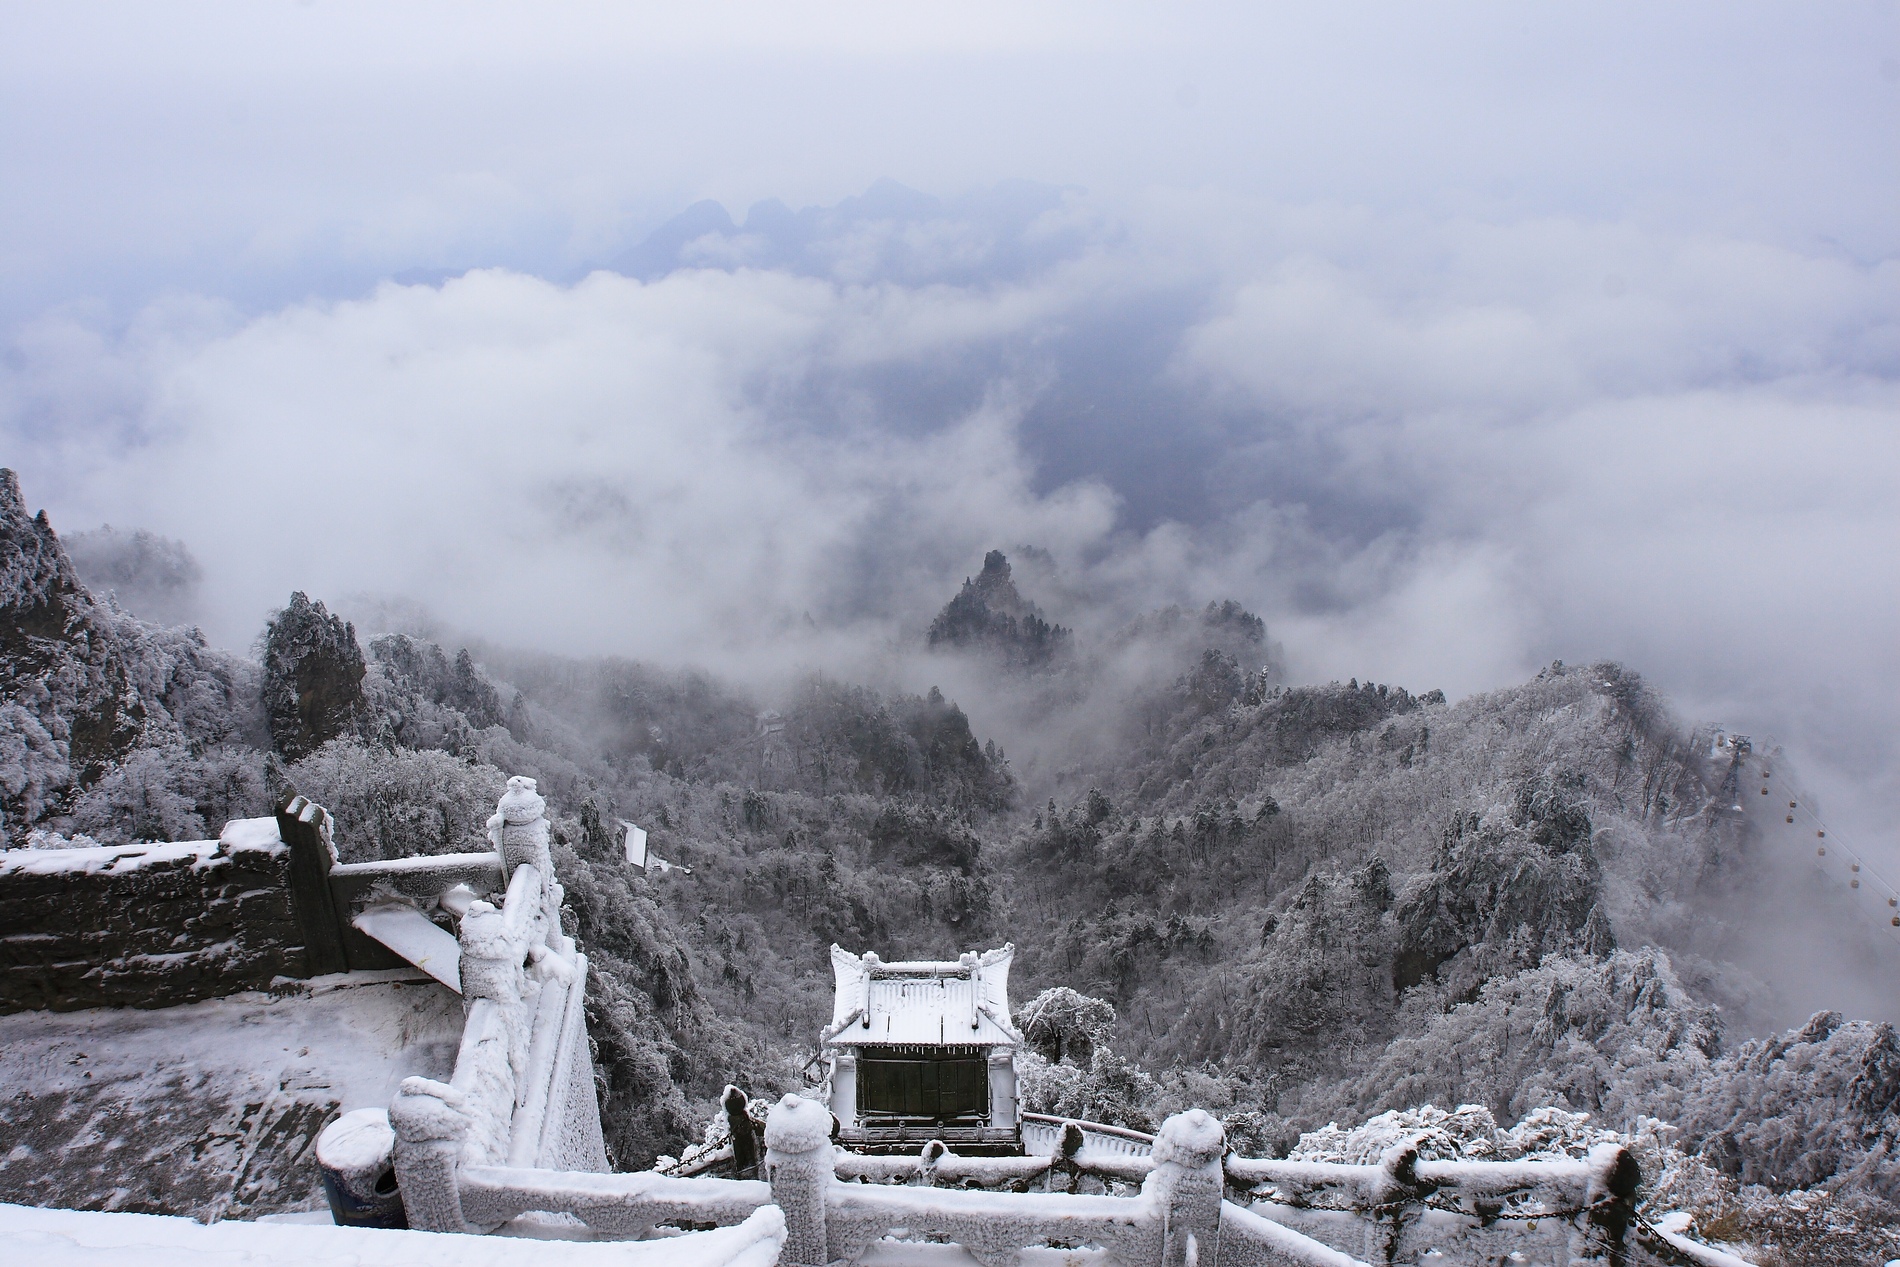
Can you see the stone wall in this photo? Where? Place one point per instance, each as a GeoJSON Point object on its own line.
{"type": "Point", "coordinates": [148, 925]}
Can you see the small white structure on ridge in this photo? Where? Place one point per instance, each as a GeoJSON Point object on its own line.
{"type": "Point", "coordinates": [636, 844]}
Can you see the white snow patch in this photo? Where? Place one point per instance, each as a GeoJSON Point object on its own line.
{"type": "Point", "coordinates": [114, 858]}
{"type": "Point", "coordinates": [356, 1141]}
{"type": "Point", "coordinates": [419, 862]}
{"type": "Point", "coordinates": [74, 1238]}
{"type": "Point", "coordinates": [416, 938]}
{"type": "Point", "coordinates": [251, 833]}
{"type": "Point", "coordinates": [358, 1039]}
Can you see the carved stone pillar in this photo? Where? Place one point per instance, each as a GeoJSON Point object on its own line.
{"type": "Point", "coordinates": [1186, 1186]}
{"type": "Point", "coordinates": [519, 827]}
{"type": "Point", "coordinates": [798, 1165]}
{"type": "Point", "coordinates": [491, 963]}
{"type": "Point", "coordinates": [430, 1125]}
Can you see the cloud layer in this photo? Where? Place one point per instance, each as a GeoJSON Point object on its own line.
{"type": "Point", "coordinates": [1452, 344]}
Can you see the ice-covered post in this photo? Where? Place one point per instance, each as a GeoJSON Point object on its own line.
{"type": "Point", "coordinates": [1612, 1198]}
{"type": "Point", "coordinates": [798, 1165]}
{"type": "Point", "coordinates": [491, 964]}
{"type": "Point", "coordinates": [430, 1125]}
{"type": "Point", "coordinates": [1186, 1187]}
{"type": "Point", "coordinates": [1396, 1201]}
{"type": "Point", "coordinates": [519, 827]}
{"type": "Point", "coordinates": [745, 1140]}
{"type": "Point", "coordinates": [519, 830]}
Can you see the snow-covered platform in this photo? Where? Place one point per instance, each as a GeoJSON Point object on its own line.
{"type": "Point", "coordinates": [208, 1109]}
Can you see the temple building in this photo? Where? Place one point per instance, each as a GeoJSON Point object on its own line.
{"type": "Point", "coordinates": [924, 1050]}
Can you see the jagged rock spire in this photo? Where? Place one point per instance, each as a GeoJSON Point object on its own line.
{"type": "Point", "coordinates": [990, 614]}
{"type": "Point", "coordinates": [35, 573]}
{"type": "Point", "coordinates": [313, 678]}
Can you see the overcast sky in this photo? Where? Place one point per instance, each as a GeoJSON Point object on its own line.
{"type": "Point", "coordinates": [1453, 338]}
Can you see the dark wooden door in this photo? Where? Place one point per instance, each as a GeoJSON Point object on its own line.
{"type": "Point", "coordinates": [940, 1090]}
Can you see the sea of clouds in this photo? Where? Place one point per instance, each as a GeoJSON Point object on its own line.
{"type": "Point", "coordinates": [1449, 347]}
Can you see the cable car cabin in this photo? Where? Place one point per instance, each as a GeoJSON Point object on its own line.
{"type": "Point", "coordinates": [922, 1051]}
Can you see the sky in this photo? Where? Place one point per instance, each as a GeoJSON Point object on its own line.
{"type": "Point", "coordinates": [1453, 339]}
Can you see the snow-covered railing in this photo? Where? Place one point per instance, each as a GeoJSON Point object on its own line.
{"type": "Point", "coordinates": [1556, 1210]}
{"type": "Point", "coordinates": [1178, 1217]}
{"type": "Point", "coordinates": [626, 1206]}
{"type": "Point", "coordinates": [1552, 1210]}
{"type": "Point", "coordinates": [1305, 1214]}
{"type": "Point", "coordinates": [1042, 1134]}
{"type": "Point", "coordinates": [522, 1093]}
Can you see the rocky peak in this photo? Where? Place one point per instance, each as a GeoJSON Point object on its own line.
{"type": "Point", "coordinates": [990, 614]}
{"type": "Point", "coordinates": [68, 709]}
{"type": "Point", "coordinates": [313, 678]}
{"type": "Point", "coordinates": [39, 590]}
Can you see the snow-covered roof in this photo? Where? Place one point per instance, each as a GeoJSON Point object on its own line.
{"type": "Point", "coordinates": [930, 1003]}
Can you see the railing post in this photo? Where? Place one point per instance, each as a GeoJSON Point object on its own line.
{"type": "Point", "coordinates": [745, 1140]}
{"type": "Point", "coordinates": [491, 964]}
{"type": "Point", "coordinates": [1186, 1186]}
{"type": "Point", "coordinates": [798, 1165]}
{"type": "Point", "coordinates": [1612, 1200]}
{"type": "Point", "coordinates": [305, 827]}
{"type": "Point", "coordinates": [519, 828]}
{"type": "Point", "coordinates": [1395, 1203]}
{"type": "Point", "coordinates": [430, 1125]}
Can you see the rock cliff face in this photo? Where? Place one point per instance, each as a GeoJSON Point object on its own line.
{"type": "Point", "coordinates": [69, 708]}
{"type": "Point", "coordinates": [1521, 886]}
{"type": "Point", "coordinates": [87, 691]}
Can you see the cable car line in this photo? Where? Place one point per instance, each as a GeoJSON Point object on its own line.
{"type": "Point", "coordinates": [1857, 866]}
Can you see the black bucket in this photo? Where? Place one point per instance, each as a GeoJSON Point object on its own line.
{"type": "Point", "coordinates": [356, 1155]}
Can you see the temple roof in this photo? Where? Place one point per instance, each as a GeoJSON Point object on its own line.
{"type": "Point", "coordinates": [957, 1002]}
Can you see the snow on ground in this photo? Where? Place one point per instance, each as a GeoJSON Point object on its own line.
{"type": "Point", "coordinates": [71, 1238]}
{"type": "Point", "coordinates": [209, 1109]}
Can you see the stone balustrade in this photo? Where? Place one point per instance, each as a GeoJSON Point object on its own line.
{"type": "Point", "coordinates": [522, 1093]}
{"type": "Point", "coordinates": [516, 1131]}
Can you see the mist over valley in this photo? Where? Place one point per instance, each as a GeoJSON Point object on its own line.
{"type": "Point", "coordinates": [1360, 544]}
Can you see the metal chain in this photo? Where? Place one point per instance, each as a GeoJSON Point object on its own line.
{"type": "Point", "coordinates": [1675, 1257]}
{"type": "Point", "coordinates": [1379, 1211]}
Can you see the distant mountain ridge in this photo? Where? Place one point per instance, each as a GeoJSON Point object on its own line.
{"type": "Point", "coordinates": [1288, 904]}
{"type": "Point", "coordinates": [888, 232]}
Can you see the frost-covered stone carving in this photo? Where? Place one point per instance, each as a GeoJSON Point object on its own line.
{"type": "Point", "coordinates": [519, 827]}
{"type": "Point", "coordinates": [430, 1120]}
{"type": "Point", "coordinates": [522, 1093]}
{"type": "Point", "coordinates": [798, 1166]}
{"type": "Point", "coordinates": [1186, 1185]}
{"type": "Point", "coordinates": [491, 959]}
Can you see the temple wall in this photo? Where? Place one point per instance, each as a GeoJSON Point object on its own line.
{"type": "Point", "coordinates": [147, 925]}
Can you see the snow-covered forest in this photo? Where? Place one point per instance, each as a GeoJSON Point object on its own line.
{"type": "Point", "coordinates": [1325, 912]}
